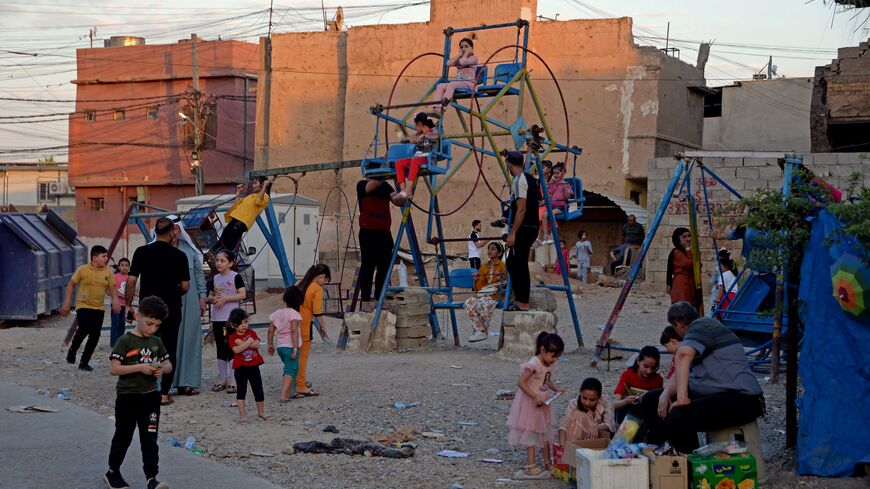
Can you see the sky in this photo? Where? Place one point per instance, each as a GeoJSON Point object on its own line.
{"type": "Point", "coordinates": [38, 39]}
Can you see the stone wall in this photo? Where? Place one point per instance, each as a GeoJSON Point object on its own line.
{"type": "Point", "coordinates": [745, 175]}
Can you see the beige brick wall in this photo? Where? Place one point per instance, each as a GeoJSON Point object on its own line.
{"type": "Point", "coordinates": [744, 175]}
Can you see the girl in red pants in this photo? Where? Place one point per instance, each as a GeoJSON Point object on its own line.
{"type": "Point", "coordinates": [425, 139]}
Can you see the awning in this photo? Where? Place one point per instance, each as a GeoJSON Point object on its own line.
{"type": "Point", "coordinates": [594, 200]}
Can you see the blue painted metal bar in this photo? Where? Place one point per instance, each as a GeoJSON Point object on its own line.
{"type": "Point", "coordinates": [715, 244]}
{"type": "Point", "coordinates": [445, 269]}
{"type": "Point", "coordinates": [277, 244]}
{"type": "Point", "coordinates": [485, 27]}
{"type": "Point", "coordinates": [414, 246]}
{"type": "Point", "coordinates": [560, 257]}
{"type": "Point", "coordinates": [713, 174]}
{"type": "Point", "coordinates": [638, 261]}
{"type": "Point", "coordinates": [144, 229]}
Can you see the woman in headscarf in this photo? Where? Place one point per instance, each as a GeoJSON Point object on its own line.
{"type": "Point", "coordinates": [188, 368]}
{"type": "Point", "coordinates": [680, 276]}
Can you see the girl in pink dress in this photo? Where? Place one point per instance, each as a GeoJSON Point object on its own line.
{"type": "Point", "coordinates": [530, 421]}
{"type": "Point", "coordinates": [466, 76]}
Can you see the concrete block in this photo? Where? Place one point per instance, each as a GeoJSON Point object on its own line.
{"type": "Point", "coordinates": [420, 331]}
{"type": "Point", "coordinates": [405, 344]}
{"type": "Point", "coordinates": [541, 299]}
{"type": "Point", "coordinates": [770, 172]}
{"type": "Point", "coordinates": [405, 309]}
{"type": "Point", "coordinates": [359, 327]}
{"type": "Point", "coordinates": [404, 322]}
{"type": "Point", "coordinates": [754, 184]}
{"type": "Point", "coordinates": [730, 162]}
{"type": "Point", "coordinates": [747, 173]}
{"type": "Point", "coordinates": [824, 159]}
{"type": "Point", "coordinates": [521, 331]}
{"type": "Point", "coordinates": [411, 295]}
{"type": "Point", "coordinates": [846, 170]}
{"type": "Point", "coordinates": [725, 173]}
{"type": "Point", "coordinates": [852, 158]}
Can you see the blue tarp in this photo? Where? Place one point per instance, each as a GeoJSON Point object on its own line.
{"type": "Point", "coordinates": [834, 365]}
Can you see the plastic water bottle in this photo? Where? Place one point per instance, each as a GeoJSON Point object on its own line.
{"type": "Point", "coordinates": [403, 275]}
{"type": "Point", "coordinates": [172, 442]}
{"type": "Point", "coordinates": [63, 394]}
{"type": "Point", "coordinates": [190, 443]}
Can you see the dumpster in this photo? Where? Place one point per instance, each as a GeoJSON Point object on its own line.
{"type": "Point", "coordinates": [38, 255]}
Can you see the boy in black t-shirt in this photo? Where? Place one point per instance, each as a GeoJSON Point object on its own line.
{"type": "Point", "coordinates": [139, 359]}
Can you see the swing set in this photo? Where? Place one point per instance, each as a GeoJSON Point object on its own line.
{"type": "Point", "coordinates": [745, 314]}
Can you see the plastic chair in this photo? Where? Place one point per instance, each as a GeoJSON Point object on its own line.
{"type": "Point", "coordinates": [749, 434]}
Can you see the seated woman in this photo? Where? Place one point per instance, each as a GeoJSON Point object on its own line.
{"type": "Point", "coordinates": [426, 138]}
{"type": "Point", "coordinates": [490, 276]}
{"type": "Point", "coordinates": [243, 213]}
{"type": "Point", "coordinates": [466, 73]}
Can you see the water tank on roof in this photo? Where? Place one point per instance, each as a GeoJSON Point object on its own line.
{"type": "Point", "coordinates": [116, 41]}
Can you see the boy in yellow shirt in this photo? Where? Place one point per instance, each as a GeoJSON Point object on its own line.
{"type": "Point", "coordinates": [243, 214]}
{"type": "Point", "coordinates": [95, 280]}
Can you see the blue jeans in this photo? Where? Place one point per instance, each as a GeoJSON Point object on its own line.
{"type": "Point", "coordinates": [119, 321]}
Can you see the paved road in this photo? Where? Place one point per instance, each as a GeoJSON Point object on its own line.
{"type": "Point", "coordinates": [69, 450]}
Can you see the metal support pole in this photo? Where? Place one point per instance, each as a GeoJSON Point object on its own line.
{"type": "Point", "coordinates": [445, 270]}
{"type": "Point", "coordinates": [276, 241]}
{"type": "Point", "coordinates": [414, 246]}
{"type": "Point", "coordinates": [117, 237]}
{"type": "Point", "coordinates": [635, 268]}
{"type": "Point", "coordinates": [696, 249]}
{"type": "Point", "coordinates": [198, 179]}
{"type": "Point", "coordinates": [560, 258]}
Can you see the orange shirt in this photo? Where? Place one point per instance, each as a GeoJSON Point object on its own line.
{"type": "Point", "coordinates": [312, 306]}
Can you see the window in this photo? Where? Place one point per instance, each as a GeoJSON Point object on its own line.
{"type": "Point", "coordinates": [634, 196]}
{"type": "Point", "coordinates": [152, 113]}
{"type": "Point", "coordinates": [90, 115]}
{"type": "Point", "coordinates": [44, 192]}
{"type": "Point", "coordinates": [118, 115]}
{"type": "Point", "coordinates": [96, 203]}
{"type": "Point", "coordinates": [713, 103]}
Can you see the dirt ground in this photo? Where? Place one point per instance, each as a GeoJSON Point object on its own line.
{"type": "Point", "coordinates": [357, 392]}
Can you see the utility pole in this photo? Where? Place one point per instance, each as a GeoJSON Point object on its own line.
{"type": "Point", "coordinates": [271, 4]}
{"type": "Point", "coordinates": [264, 100]}
{"type": "Point", "coordinates": [197, 156]}
{"type": "Point", "coordinates": [770, 68]}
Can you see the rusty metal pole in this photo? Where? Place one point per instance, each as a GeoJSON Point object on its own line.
{"type": "Point", "coordinates": [777, 329]}
{"type": "Point", "coordinates": [198, 181]}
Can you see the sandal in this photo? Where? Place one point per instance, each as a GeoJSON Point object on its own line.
{"type": "Point", "coordinates": [309, 393]}
{"type": "Point", "coordinates": [188, 391]}
{"type": "Point", "coordinates": [231, 389]}
{"type": "Point", "coordinates": [298, 395]}
{"type": "Point", "coordinates": [531, 472]}
{"type": "Point", "coordinates": [218, 387]}
{"type": "Point", "coordinates": [166, 402]}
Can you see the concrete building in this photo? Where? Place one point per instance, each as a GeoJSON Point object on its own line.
{"type": "Point", "coordinates": [32, 186]}
{"type": "Point", "coordinates": [626, 104]}
{"type": "Point", "coordinates": [131, 135]}
{"type": "Point", "coordinates": [841, 102]}
{"type": "Point", "coordinates": [759, 115]}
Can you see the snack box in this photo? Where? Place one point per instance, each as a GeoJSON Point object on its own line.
{"type": "Point", "coordinates": [723, 471]}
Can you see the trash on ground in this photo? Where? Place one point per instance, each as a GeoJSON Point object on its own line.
{"type": "Point", "coordinates": [199, 451]}
{"type": "Point", "coordinates": [491, 460]}
{"type": "Point", "coordinates": [456, 366]}
{"type": "Point", "coordinates": [42, 392]}
{"type": "Point", "coordinates": [349, 446]}
{"type": "Point", "coordinates": [452, 454]}
{"type": "Point", "coordinates": [456, 485]}
{"type": "Point", "coordinates": [431, 434]}
{"type": "Point", "coordinates": [330, 429]}
{"type": "Point", "coordinates": [403, 405]}
{"type": "Point", "coordinates": [64, 394]}
{"type": "Point", "coordinates": [494, 333]}
{"type": "Point", "coordinates": [262, 454]}
{"type": "Point", "coordinates": [173, 442]}
{"type": "Point", "coordinates": [492, 451]}
{"type": "Point", "coordinates": [468, 423]}
{"type": "Point", "coordinates": [31, 409]}
{"type": "Point", "coordinates": [230, 404]}
{"type": "Point", "coordinates": [399, 435]}
{"type": "Point", "coordinates": [190, 443]}
{"type": "Point", "coordinates": [504, 394]}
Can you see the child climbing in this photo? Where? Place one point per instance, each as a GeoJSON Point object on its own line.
{"type": "Point", "coordinates": [583, 253]}
{"type": "Point", "coordinates": [285, 322]}
{"type": "Point", "coordinates": [226, 290]}
{"type": "Point", "coordinates": [588, 417]}
{"type": "Point", "coordinates": [425, 139]}
{"type": "Point", "coordinates": [490, 276]}
{"type": "Point", "coordinates": [636, 381]}
{"type": "Point", "coordinates": [530, 418]}
{"type": "Point", "coordinates": [560, 191]}
{"type": "Point", "coordinates": [466, 74]}
{"type": "Point", "coordinates": [243, 213]}
{"type": "Point", "coordinates": [246, 363]}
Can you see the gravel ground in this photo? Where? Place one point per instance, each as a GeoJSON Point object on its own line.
{"type": "Point", "coordinates": [357, 392]}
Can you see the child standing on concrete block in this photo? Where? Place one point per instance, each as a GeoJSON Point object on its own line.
{"type": "Point", "coordinates": [94, 280]}
{"type": "Point", "coordinates": [530, 418]}
{"type": "Point", "coordinates": [246, 364]}
{"type": "Point", "coordinates": [138, 360]}
{"type": "Point", "coordinates": [285, 322]}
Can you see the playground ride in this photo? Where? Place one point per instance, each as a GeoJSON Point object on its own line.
{"type": "Point", "coordinates": [510, 83]}
{"type": "Point", "coordinates": [748, 313]}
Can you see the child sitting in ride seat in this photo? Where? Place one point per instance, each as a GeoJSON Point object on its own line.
{"type": "Point", "coordinates": [560, 191]}
{"type": "Point", "coordinates": [425, 139]}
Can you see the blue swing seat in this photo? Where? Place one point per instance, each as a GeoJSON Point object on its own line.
{"type": "Point", "coordinates": [503, 74]}
{"type": "Point", "coordinates": [385, 168]}
{"type": "Point", "coordinates": [574, 209]}
{"type": "Point", "coordinates": [743, 316]}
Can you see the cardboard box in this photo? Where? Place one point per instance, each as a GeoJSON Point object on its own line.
{"type": "Point", "coordinates": [561, 470]}
{"type": "Point", "coordinates": [569, 455]}
{"type": "Point", "coordinates": [666, 472]}
{"type": "Point", "coordinates": [722, 471]}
